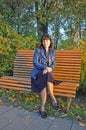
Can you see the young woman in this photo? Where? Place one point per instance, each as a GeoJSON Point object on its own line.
{"type": "Point", "coordinates": [42, 80]}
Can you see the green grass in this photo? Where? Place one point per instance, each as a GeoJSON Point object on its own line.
{"type": "Point", "coordinates": [31, 102]}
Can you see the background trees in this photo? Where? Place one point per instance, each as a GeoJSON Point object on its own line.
{"type": "Point", "coordinates": [23, 22]}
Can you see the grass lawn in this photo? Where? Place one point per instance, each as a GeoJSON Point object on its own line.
{"type": "Point", "coordinates": [31, 102]}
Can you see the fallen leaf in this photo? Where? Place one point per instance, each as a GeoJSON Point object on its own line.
{"type": "Point", "coordinates": [26, 117]}
{"type": "Point", "coordinates": [62, 106]}
{"type": "Point", "coordinates": [27, 99]}
{"type": "Point", "coordinates": [11, 99]}
{"type": "Point", "coordinates": [37, 95]}
{"type": "Point", "coordinates": [81, 105]}
{"type": "Point", "coordinates": [64, 115]}
{"type": "Point", "coordinates": [36, 110]}
{"type": "Point", "coordinates": [72, 107]}
{"type": "Point", "coordinates": [79, 117]}
{"type": "Point", "coordinates": [77, 106]}
{"type": "Point", "coordinates": [0, 101]}
{"type": "Point", "coordinates": [82, 124]}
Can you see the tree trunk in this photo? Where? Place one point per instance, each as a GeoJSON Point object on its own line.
{"type": "Point", "coordinates": [42, 27]}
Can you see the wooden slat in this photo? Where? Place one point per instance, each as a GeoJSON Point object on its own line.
{"type": "Point", "coordinates": [14, 88]}
{"type": "Point", "coordinates": [65, 91]}
{"type": "Point", "coordinates": [16, 78]}
{"type": "Point", "coordinates": [21, 75]}
{"type": "Point", "coordinates": [66, 72]}
{"type": "Point", "coordinates": [64, 95]}
{"type": "Point", "coordinates": [14, 84]}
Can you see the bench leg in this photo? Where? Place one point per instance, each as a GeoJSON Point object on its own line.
{"type": "Point", "coordinates": [69, 100]}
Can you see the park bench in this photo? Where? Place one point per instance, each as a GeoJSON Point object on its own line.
{"type": "Point", "coordinates": [68, 65]}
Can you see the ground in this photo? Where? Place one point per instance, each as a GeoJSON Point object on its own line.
{"type": "Point", "coordinates": [31, 102]}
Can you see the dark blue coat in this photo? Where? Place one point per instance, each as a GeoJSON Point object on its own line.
{"type": "Point", "coordinates": [39, 61]}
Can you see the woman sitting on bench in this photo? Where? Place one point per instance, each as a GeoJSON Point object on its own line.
{"type": "Point", "coordinates": [42, 80]}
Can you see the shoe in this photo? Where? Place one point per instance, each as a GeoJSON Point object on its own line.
{"type": "Point", "coordinates": [43, 113]}
{"type": "Point", "coordinates": [55, 106]}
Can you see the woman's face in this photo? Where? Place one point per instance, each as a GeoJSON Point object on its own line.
{"type": "Point", "coordinates": [46, 43]}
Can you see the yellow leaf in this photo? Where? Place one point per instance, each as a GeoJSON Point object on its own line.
{"type": "Point", "coordinates": [11, 99]}
{"type": "Point", "coordinates": [0, 100]}
{"type": "Point", "coordinates": [79, 117]}
{"type": "Point", "coordinates": [82, 124]}
{"type": "Point", "coordinates": [26, 117]}
{"type": "Point", "coordinates": [37, 95]}
{"type": "Point", "coordinates": [27, 99]}
{"type": "Point", "coordinates": [76, 105]}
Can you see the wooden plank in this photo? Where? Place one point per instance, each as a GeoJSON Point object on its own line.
{"type": "Point", "coordinates": [15, 88]}
{"type": "Point", "coordinates": [66, 72]}
{"type": "Point", "coordinates": [16, 78]}
{"type": "Point", "coordinates": [21, 75]}
{"type": "Point", "coordinates": [64, 88]}
{"type": "Point", "coordinates": [15, 81]}
{"type": "Point", "coordinates": [67, 84]}
{"type": "Point", "coordinates": [64, 95]}
{"type": "Point", "coordinates": [14, 84]}
{"type": "Point", "coordinates": [65, 91]}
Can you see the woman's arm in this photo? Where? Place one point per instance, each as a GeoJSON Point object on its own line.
{"type": "Point", "coordinates": [36, 60]}
{"type": "Point", "coordinates": [53, 64]}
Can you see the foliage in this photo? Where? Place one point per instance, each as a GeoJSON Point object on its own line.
{"type": "Point", "coordinates": [31, 42]}
{"type": "Point", "coordinates": [10, 43]}
{"type": "Point", "coordinates": [82, 88]}
{"type": "Point", "coordinates": [31, 16]}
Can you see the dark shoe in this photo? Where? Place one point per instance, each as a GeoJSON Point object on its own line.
{"type": "Point", "coordinates": [55, 106]}
{"type": "Point", "coordinates": [43, 113]}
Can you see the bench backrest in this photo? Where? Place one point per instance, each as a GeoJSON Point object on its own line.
{"type": "Point", "coordinates": [68, 64]}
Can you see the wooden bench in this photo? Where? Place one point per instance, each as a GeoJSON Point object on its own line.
{"type": "Point", "coordinates": [68, 64]}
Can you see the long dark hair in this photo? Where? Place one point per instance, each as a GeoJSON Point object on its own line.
{"type": "Point", "coordinates": [44, 37]}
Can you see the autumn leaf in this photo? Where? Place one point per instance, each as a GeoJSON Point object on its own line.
{"type": "Point", "coordinates": [79, 117]}
{"type": "Point", "coordinates": [64, 115]}
{"type": "Point", "coordinates": [0, 101]}
{"type": "Point", "coordinates": [82, 124]}
{"type": "Point", "coordinates": [27, 99]}
{"type": "Point", "coordinates": [27, 117]}
{"type": "Point", "coordinates": [37, 96]}
{"type": "Point", "coordinates": [12, 99]}
{"type": "Point", "coordinates": [76, 105]}
{"type": "Point", "coordinates": [62, 106]}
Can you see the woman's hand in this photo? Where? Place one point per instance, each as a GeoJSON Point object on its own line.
{"type": "Point", "coordinates": [49, 69]}
{"type": "Point", "coordinates": [45, 71]}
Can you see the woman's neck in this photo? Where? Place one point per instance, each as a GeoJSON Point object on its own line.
{"type": "Point", "coordinates": [46, 49]}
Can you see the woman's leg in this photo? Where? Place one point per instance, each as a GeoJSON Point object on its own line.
{"type": "Point", "coordinates": [43, 98]}
{"type": "Point", "coordinates": [50, 89]}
